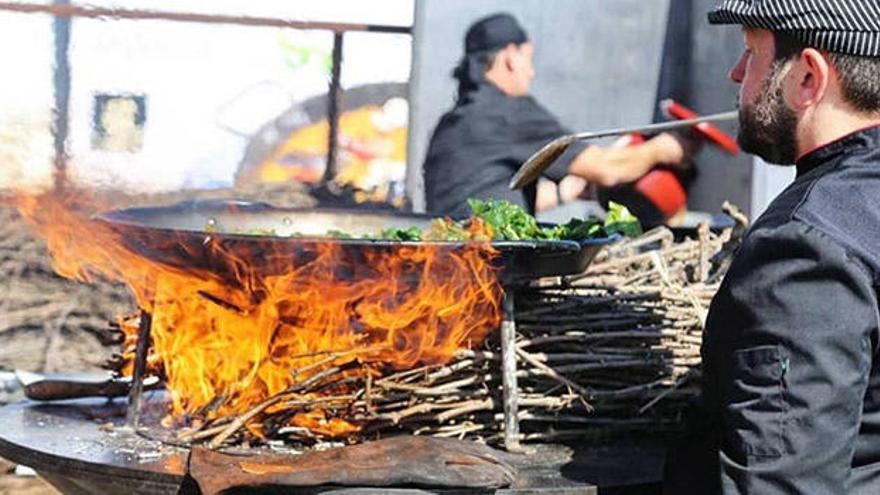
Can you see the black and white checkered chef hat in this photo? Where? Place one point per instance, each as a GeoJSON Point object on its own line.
{"type": "Point", "coordinates": [849, 27]}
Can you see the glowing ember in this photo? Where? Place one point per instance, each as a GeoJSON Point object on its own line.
{"type": "Point", "coordinates": [225, 345]}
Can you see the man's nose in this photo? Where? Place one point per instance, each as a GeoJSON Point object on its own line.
{"type": "Point", "coordinates": [737, 73]}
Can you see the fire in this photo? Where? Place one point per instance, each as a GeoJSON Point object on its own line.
{"type": "Point", "coordinates": [226, 345]}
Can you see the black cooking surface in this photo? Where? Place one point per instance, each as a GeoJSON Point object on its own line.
{"type": "Point", "coordinates": [70, 444]}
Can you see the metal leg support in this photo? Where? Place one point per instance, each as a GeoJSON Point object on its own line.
{"type": "Point", "coordinates": [132, 418]}
{"type": "Point", "coordinates": [508, 374]}
{"type": "Point", "coordinates": [333, 109]}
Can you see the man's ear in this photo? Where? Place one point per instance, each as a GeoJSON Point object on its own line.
{"type": "Point", "coordinates": [813, 73]}
{"type": "Point", "coordinates": [508, 55]}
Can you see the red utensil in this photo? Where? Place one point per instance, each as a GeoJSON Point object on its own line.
{"type": "Point", "coordinates": [716, 136]}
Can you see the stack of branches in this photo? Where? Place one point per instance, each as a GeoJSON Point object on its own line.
{"type": "Point", "coordinates": [340, 400]}
{"type": "Point", "coordinates": [614, 349]}
{"type": "Point", "coordinates": [624, 336]}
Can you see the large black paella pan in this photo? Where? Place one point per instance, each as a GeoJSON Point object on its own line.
{"type": "Point", "coordinates": [219, 235]}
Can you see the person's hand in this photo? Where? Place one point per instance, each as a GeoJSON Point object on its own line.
{"type": "Point", "coordinates": [546, 197]}
{"type": "Point", "coordinates": [608, 167]}
{"type": "Point", "coordinates": [571, 188]}
{"type": "Point", "coordinates": [667, 149]}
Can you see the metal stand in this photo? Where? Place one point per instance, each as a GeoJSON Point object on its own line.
{"type": "Point", "coordinates": [132, 417]}
{"type": "Point", "coordinates": [508, 374]}
{"type": "Point", "coordinates": [61, 79]}
{"type": "Point", "coordinates": [334, 95]}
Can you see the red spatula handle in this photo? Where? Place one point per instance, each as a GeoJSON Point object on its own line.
{"type": "Point", "coordinates": [715, 135]}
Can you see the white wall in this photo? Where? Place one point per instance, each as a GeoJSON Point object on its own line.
{"type": "Point", "coordinates": [767, 182]}
{"type": "Point", "coordinates": [208, 87]}
{"type": "Point", "coordinates": [26, 149]}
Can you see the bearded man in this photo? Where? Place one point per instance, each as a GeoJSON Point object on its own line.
{"type": "Point", "coordinates": [791, 377]}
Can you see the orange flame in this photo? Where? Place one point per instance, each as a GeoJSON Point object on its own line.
{"type": "Point", "coordinates": [244, 341]}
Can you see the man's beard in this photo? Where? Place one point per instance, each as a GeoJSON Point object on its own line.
{"type": "Point", "coordinates": [767, 126]}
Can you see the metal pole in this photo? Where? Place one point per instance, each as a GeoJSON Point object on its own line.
{"type": "Point", "coordinates": [132, 418]}
{"type": "Point", "coordinates": [61, 84]}
{"type": "Point", "coordinates": [333, 96]}
{"type": "Point", "coordinates": [508, 374]}
{"type": "Point", "coordinates": [119, 13]}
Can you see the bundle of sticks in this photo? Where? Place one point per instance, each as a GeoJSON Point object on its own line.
{"type": "Point", "coordinates": [624, 336]}
{"type": "Point", "coordinates": [613, 349]}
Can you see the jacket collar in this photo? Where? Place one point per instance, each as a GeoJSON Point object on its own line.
{"type": "Point", "coordinates": [868, 137]}
{"type": "Point", "coordinates": [484, 91]}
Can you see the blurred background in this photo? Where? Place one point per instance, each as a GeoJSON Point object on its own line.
{"type": "Point", "coordinates": [299, 103]}
{"type": "Point", "coordinates": [237, 93]}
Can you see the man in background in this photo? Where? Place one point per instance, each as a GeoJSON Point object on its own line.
{"type": "Point", "coordinates": [496, 125]}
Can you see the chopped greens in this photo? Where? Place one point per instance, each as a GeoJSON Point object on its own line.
{"type": "Point", "coordinates": [338, 234]}
{"type": "Point", "coordinates": [620, 220]}
{"type": "Point", "coordinates": [265, 232]}
{"type": "Point", "coordinates": [502, 221]}
{"type": "Point", "coordinates": [579, 230]}
{"type": "Point", "coordinates": [401, 234]}
{"type": "Point", "coordinates": [508, 221]}
{"type": "Point", "coordinates": [512, 223]}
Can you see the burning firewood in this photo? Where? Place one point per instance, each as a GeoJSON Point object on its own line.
{"type": "Point", "coordinates": [49, 323]}
{"type": "Point", "coordinates": [613, 349]}
{"type": "Point", "coordinates": [320, 353]}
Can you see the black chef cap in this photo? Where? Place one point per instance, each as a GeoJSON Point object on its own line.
{"type": "Point", "coordinates": [485, 37]}
{"type": "Point", "coordinates": [493, 33]}
{"type": "Point", "coordinates": [848, 27]}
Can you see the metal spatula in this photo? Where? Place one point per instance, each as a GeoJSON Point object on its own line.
{"type": "Point", "coordinates": [537, 163]}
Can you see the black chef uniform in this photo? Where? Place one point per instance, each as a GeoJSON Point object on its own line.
{"type": "Point", "coordinates": [481, 143]}
{"type": "Point", "coordinates": [791, 379]}
{"type": "Point", "coordinates": [789, 353]}
{"type": "Point", "coordinates": [478, 146]}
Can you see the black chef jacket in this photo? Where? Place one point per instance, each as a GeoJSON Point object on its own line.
{"type": "Point", "coordinates": [791, 380]}
{"type": "Point", "coordinates": [479, 145]}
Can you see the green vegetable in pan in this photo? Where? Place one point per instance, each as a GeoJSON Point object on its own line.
{"type": "Point", "coordinates": [503, 221]}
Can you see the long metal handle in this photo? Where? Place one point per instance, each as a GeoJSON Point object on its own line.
{"type": "Point", "coordinates": [46, 390]}
{"type": "Point", "coordinates": [537, 163]}
{"type": "Point", "coordinates": [49, 389]}
{"type": "Point", "coordinates": [663, 126]}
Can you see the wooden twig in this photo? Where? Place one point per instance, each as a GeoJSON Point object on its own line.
{"type": "Point", "coordinates": [678, 383]}
{"type": "Point", "coordinates": [548, 371]}
{"type": "Point", "coordinates": [259, 408]}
